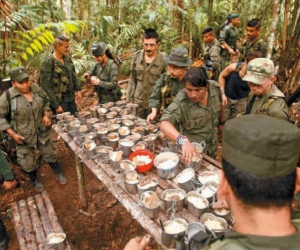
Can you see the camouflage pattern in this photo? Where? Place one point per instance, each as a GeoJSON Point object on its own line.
{"type": "Point", "coordinates": [107, 90]}
{"type": "Point", "coordinates": [197, 122]}
{"type": "Point", "coordinates": [59, 82]}
{"type": "Point", "coordinates": [28, 123]}
{"type": "Point", "coordinates": [234, 108]}
{"type": "Point", "coordinates": [212, 52]}
{"type": "Point", "coordinates": [164, 91]}
{"type": "Point", "coordinates": [98, 49]}
{"type": "Point", "coordinates": [142, 80]}
{"type": "Point", "coordinates": [5, 169]}
{"type": "Point", "coordinates": [259, 70]}
{"type": "Point", "coordinates": [273, 104]}
{"type": "Point", "coordinates": [258, 45]}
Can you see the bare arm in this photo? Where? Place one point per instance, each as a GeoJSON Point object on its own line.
{"type": "Point", "coordinates": [222, 80]}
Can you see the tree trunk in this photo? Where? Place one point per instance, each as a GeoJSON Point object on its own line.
{"type": "Point", "coordinates": [285, 24]}
{"type": "Point", "coordinates": [273, 26]}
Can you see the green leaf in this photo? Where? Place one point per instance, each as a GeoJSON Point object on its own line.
{"type": "Point", "coordinates": [30, 51]}
{"type": "Point", "coordinates": [38, 44]}
{"type": "Point", "coordinates": [43, 40]}
{"type": "Point", "coordinates": [24, 56]}
{"type": "Point", "coordinates": [32, 45]}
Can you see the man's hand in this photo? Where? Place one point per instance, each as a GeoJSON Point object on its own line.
{"type": "Point", "coordinates": [17, 138]}
{"type": "Point", "coordinates": [188, 152]}
{"type": "Point", "coordinates": [86, 75]}
{"type": "Point", "coordinates": [95, 81]}
{"type": "Point", "coordinates": [151, 117]}
{"type": "Point", "coordinates": [138, 243]}
{"type": "Point", "coordinates": [46, 121]}
{"type": "Point", "coordinates": [7, 185]}
{"type": "Point", "coordinates": [224, 100]}
{"type": "Point", "coordinates": [59, 110]}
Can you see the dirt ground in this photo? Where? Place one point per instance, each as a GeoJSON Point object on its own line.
{"type": "Point", "coordinates": [106, 226]}
{"type": "Point", "coordinates": [110, 226]}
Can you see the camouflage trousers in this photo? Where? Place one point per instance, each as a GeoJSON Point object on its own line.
{"type": "Point", "coordinates": [142, 112]}
{"type": "Point", "coordinates": [234, 108]}
{"type": "Point", "coordinates": [69, 107]}
{"type": "Point", "coordinates": [26, 155]}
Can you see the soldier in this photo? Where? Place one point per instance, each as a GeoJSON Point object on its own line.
{"type": "Point", "coordinates": [196, 109]}
{"type": "Point", "coordinates": [169, 84]}
{"type": "Point", "coordinates": [212, 50]}
{"type": "Point", "coordinates": [254, 42]}
{"type": "Point", "coordinates": [146, 68]}
{"type": "Point", "coordinates": [228, 39]}
{"type": "Point", "coordinates": [235, 90]}
{"type": "Point", "coordinates": [265, 98]}
{"type": "Point", "coordinates": [104, 75]}
{"type": "Point", "coordinates": [257, 182]}
{"type": "Point", "coordinates": [58, 78]}
{"type": "Point", "coordinates": [24, 115]}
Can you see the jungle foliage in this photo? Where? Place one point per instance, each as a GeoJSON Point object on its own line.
{"type": "Point", "coordinates": [28, 27]}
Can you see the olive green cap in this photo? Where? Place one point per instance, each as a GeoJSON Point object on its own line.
{"type": "Point", "coordinates": [18, 74]}
{"type": "Point", "coordinates": [179, 57]}
{"type": "Point", "coordinates": [261, 145]}
{"type": "Point", "coordinates": [98, 49]}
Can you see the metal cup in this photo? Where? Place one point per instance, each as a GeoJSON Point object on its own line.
{"type": "Point", "coordinates": [131, 186]}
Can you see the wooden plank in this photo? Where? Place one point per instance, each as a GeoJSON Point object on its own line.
{"type": "Point", "coordinates": [43, 215]}
{"type": "Point", "coordinates": [28, 229]}
{"type": "Point", "coordinates": [18, 225]}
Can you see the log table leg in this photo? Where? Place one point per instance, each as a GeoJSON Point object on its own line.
{"type": "Point", "coordinates": [81, 184]}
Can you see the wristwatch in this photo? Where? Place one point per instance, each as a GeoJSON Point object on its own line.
{"type": "Point", "coordinates": [181, 139]}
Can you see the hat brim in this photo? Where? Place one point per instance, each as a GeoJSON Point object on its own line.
{"type": "Point", "coordinates": [20, 77]}
{"type": "Point", "coordinates": [255, 78]}
{"type": "Point", "coordinates": [178, 64]}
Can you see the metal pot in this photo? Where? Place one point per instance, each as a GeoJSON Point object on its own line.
{"type": "Point", "coordinates": [167, 165]}
{"type": "Point", "coordinates": [151, 212]}
{"type": "Point", "coordinates": [173, 199]}
{"type": "Point", "coordinates": [197, 204]}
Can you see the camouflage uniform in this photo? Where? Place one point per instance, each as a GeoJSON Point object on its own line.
{"type": "Point", "coordinates": [142, 80]}
{"type": "Point", "coordinates": [258, 45]}
{"type": "Point", "coordinates": [212, 52]}
{"type": "Point", "coordinates": [27, 122]}
{"type": "Point", "coordinates": [107, 90]}
{"type": "Point", "coordinates": [164, 91]}
{"type": "Point", "coordinates": [197, 122]}
{"type": "Point", "coordinates": [229, 35]}
{"type": "Point", "coordinates": [60, 83]}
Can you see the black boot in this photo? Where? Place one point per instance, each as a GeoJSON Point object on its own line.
{"type": "Point", "coordinates": [38, 186]}
{"type": "Point", "coordinates": [4, 238]}
{"type": "Point", "coordinates": [58, 172]}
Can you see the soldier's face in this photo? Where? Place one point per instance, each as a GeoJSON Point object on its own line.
{"type": "Point", "coordinates": [235, 21]}
{"type": "Point", "coordinates": [63, 48]}
{"type": "Point", "coordinates": [261, 89]}
{"type": "Point", "coordinates": [150, 46]}
{"type": "Point", "coordinates": [99, 59]}
{"type": "Point", "coordinates": [196, 94]}
{"type": "Point", "coordinates": [176, 72]}
{"type": "Point", "coordinates": [208, 38]}
{"type": "Point", "coordinates": [252, 33]}
{"type": "Point", "coordinates": [23, 86]}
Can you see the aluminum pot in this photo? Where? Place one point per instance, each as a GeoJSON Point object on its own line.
{"type": "Point", "coordinates": [197, 204]}
{"type": "Point", "coordinates": [167, 165]}
{"type": "Point", "coordinates": [173, 199]}
{"type": "Point", "coordinates": [151, 211]}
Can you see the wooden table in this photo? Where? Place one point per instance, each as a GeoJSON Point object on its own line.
{"type": "Point", "coordinates": [113, 182]}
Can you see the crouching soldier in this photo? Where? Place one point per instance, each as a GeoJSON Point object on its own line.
{"type": "Point", "coordinates": [24, 115]}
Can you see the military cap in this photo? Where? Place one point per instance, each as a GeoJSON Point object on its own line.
{"type": "Point", "coordinates": [262, 145]}
{"type": "Point", "coordinates": [98, 49]}
{"type": "Point", "coordinates": [179, 57]}
{"type": "Point", "coordinates": [232, 16]}
{"type": "Point", "coordinates": [18, 74]}
{"type": "Point", "coordinates": [259, 70]}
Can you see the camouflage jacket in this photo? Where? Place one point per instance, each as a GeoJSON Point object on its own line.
{"type": "Point", "coordinates": [197, 121]}
{"type": "Point", "coordinates": [273, 104]}
{"type": "Point", "coordinates": [107, 90]}
{"type": "Point", "coordinates": [27, 120]}
{"type": "Point", "coordinates": [164, 91]}
{"type": "Point", "coordinates": [212, 52]}
{"type": "Point", "coordinates": [258, 45]}
{"type": "Point", "coordinates": [143, 78]}
{"type": "Point", "coordinates": [229, 35]}
{"type": "Point", "coordinates": [59, 80]}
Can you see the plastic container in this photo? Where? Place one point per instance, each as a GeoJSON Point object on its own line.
{"type": "Point", "coordinates": [144, 152]}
